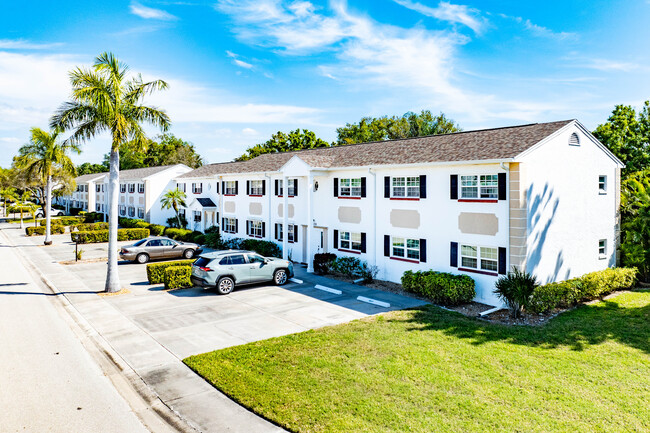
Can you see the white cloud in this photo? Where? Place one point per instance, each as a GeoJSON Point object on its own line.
{"type": "Point", "coordinates": [238, 62]}
{"type": "Point", "coordinates": [446, 11]}
{"type": "Point", "coordinates": [249, 131]}
{"type": "Point", "coordinates": [609, 65]}
{"type": "Point", "coordinates": [22, 44]}
{"type": "Point", "coordinates": [150, 13]}
{"type": "Point", "coordinates": [540, 31]}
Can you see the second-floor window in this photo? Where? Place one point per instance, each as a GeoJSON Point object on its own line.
{"type": "Point", "coordinates": [405, 187]}
{"type": "Point", "coordinates": [122, 187]}
{"type": "Point", "coordinates": [230, 187]}
{"type": "Point", "coordinates": [256, 187]}
{"type": "Point", "coordinates": [602, 184]}
{"type": "Point", "coordinates": [181, 187]}
{"type": "Point", "coordinates": [141, 188]}
{"type": "Point", "coordinates": [131, 187]}
{"type": "Point", "coordinates": [350, 187]}
{"type": "Point", "coordinates": [197, 188]}
{"type": "Point", "coordinates": [98, 188]}
{"type": "Point", "coordinates": [350, 241]}
{"type": "Point", "coordinates": [479, 186]}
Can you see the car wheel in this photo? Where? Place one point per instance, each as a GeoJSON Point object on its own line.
{"type": "Point", "coordinates": [142, 258]}
{"type": "Point", "coordinates": [188, 254]}
{"type": "Point", "coordinates": [225, 285]}
{"type": "Point", "coordinates": [280, 277]}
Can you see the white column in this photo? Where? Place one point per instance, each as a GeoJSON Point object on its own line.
{"type": "Point", "coordinates": [285, 219]}
{"type": "Point", "coordinates": [310, 222]}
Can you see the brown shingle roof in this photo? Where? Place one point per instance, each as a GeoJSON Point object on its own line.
{"type": "Point", "coordinates": [87, 177]}
{"type": "Point", "coordinates": [140, 173]}
{"type": "Point", "coordinates": [485, 144]}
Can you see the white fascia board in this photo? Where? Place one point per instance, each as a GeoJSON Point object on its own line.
{"type": "Point", "coordinates": [599, 144]}
{"type": "Point", "coordinates": [543, 141]}
{"type": "Point", "coordinates": [167, 169]}
{"type": "Point", "coordinates": [420, 164]}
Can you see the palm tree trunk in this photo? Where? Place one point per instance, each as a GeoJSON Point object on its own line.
{"type": "Point", "coordinates": [112, 276]}
{"type": "Point", "coordinates": [48, 206]}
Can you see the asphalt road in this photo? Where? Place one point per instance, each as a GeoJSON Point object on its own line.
{"type": "Point", "coordinates": [48, 381]}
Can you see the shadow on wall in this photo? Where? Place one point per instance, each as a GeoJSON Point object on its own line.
{"type": "Point", "coordinates": [587, 325]}
{"type": "Point", "coordinates": [543, 207]}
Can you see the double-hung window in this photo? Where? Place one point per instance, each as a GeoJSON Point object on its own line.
{"type": "Point", "coordinates": [602, 248]}
{"type": "Point", "coordinates": [98, 188]}
{"type": "Point", "coordinates": [602, 184]}
{"type": "Point", "coordinates": [256, 187]}
{"type": "Point", "coordinates": [122, 210]}
{"type": "Point", "coordinates": [231, 187]}
{"type": "Point", "coordinates": [480, 258]}
{"type": "Point", "coordinates": [196, 214]}
{"type": "Point", "coordinates": [350, 241]}
{"type": "Point", "coordinates": [181, 212]}
{"type": "Point", "coordinates": [484, 186]}
{"type": "Point", "coordinates": [131, 211]}
{"type": "Point", "coordinates": [197, 188]}
{"type": "Point", "coordinates": [406, 248]}
{"type": "Point", "coordinates": [255, 229]}
{"type": "Point", "coordinates": [350, 187]}
{"type": "Point", "coordinates": [406, 187]}
{"type": "Point", "coordinates": [229, 225]}
{"type": "Point", "coordinates": [131, 187]}
{"type": "Point", "coordinates": [140, 212]}
{"type": "Point", "coordinates": [122, 187]}
{"type": "Point", "coordinates": [141, 188]}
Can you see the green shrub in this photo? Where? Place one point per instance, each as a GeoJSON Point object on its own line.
{"type": "Point", "coordinates": [232, 244]}
{"type": "Point", "coordinates": [322, 263]}
{"type": "Point", "coordinates": [55, 230]}
{"type": "Point", "coordinates": [213, 238]}
{"type": "Point", "coordinates": [348, 266]}
{"type": "Point", "coordinates": [177, 277]}
{"type": "Point", "coordinates": [515, 289]}
{"type": "Point", "coordinates": [130, 223]}
{"type": "Point", "coordinates": [173, 222]}
{"type": "Point", "coordinates": [92, 217]}
{"type": "Point", "coordinates": [565, 294]}
{"type": "Point", "coordinates": [156, 229]}
{"type": "Point", "coordinates": [156, 271]}
{"type": "Point", "coordinates": [440, 287]}
{"type": "Point", "coordinates": [178, 234]}
{"type": "Point", "coordinates": [91, 237]}
{"type": "Point", "coordinates": [261, 247]}
{"type": "Point", "coordinates": [86, 227]}
{"type": "Point", "coordinates": [64, 221]}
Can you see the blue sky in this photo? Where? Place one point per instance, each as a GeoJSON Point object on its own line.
{"type": "Point", "coordinates": [242, 70]}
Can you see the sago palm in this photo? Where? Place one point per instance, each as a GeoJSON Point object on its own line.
{"type": "Point", "coordinates": [172, 200]}
{"type": "Point", "coordinates": [44, 156]}
{"type": "Point", "coordinates": [106, 99]}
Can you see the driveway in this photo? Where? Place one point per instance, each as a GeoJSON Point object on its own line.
{"type": "Point", "coordinates": [153, 330]}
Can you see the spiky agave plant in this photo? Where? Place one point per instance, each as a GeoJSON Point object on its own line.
{"type": "Point", "coordinates": [515, 290]}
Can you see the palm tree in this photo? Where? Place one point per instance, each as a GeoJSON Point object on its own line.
{"type": "Point", "coordinates": [172, 200]}
{"type": "Point", "coordinates": [104, 99]}
{"type": "Point", "coordinates": [7, 194]}
{"type": "Point", "coordinates": [43, 157]}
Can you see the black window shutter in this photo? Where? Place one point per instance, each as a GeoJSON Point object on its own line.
{"type": "Point", "coordinates": [423, 250]}
{"type": "Point", "coordinates": [502, 260]}
{"type": "Point", "coordinates": [363, 242]}
{"type": "Point", "coordinates": [363, 187]}
{"type": "Point", "coordinates": [236, 187]}
{"type": "Point", "coordinates": [236, 225]}
{"type": "Point", "coordinates": [386, 246]}
{"type": "Point", "coordinates": [223, 223]}
{"type": "Point", "coordinates": [276, 224]}
{"type": "Point", "coordinates": [248, 227]}
{"type": "Point", "coordinates": [248, 187]}
{"type": "Point", "coordinates": [386, 186]}
{"type": "Point", "coordinates": [263, 229]}
{"type": "Point", "coordinates": [295, 233]}
{"type": "Point", "coordinates": [423, 186]}
{"type": "Point", "coordinates": [453, 256]}
{"type": "Point", "coordinates": [336, 239]}
{"type": "Point", "coordinates": [502, 186]}
{"type": "Point", "coordinates": [277, 192]}
{"type": "Point", "coordinates": [263, 187]}
{"type": "Point", "coordinates": [223, 186]}
{"type": "Point", "coordinates": [295, 187]}
{"type": "Point", "coordinates": [217, 217]}
{"type": "Point", "coordinates": [336, 188]}
{"type": "Point", "coordinates": [453, 187]}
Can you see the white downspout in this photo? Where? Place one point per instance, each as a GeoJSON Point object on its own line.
{"type": "Point", "coordinates": [310, 187]}
{"type": "Point", "coordinates": [285, 216]}
{"type": "Point", "coordinates": [270, 194]}
{"type": "Point", "coordinates": [374, 220]}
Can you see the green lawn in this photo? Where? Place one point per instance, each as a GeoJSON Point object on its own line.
{"type": "Point", "coordinates": [430, 370]}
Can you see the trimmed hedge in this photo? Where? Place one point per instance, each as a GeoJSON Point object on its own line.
{"type": "Point", "coordinates": [565, 294]}
{"type": "Point", "coordinates": [92, 217]}
{"type": "Point", "coordinates": [323, 262]}
{"type": "Point", "coordinates": [440, 287]}
{"type": "Point", "coordinates": [177, 277]}
{"type": "Point", "coordinates": [64, 221]}
{"type": "Point", "coordinates": [130, 223]}
{"type": "Point", "coordinates": [261, 247]}
{"type": "Point", "coordinates": [55, 230]}
{"type": "Point", "coordinates": [96, 236]}
{"type": "Point", "coordinates": [87, 227]}
{"type": "Point", "coordinates": [156, 271]}
{"type": "Point", "coordinates": [156, 229]}
{"type": "Point", "coordinates": [178, 234]}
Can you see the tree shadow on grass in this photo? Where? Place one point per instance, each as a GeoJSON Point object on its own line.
{"type": "Point", "coordinates": [587, 325]}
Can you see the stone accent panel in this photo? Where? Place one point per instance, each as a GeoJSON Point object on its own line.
{"type": "Point", "coordinates": [255, 209]}
{"type": "Point", "coordinates": [349, 214]}
{"type": "Point", "coordinates": [518, 217]}
{"type": "Point", "coordinates": [408, 219]}
{"type": "Point", "coordinates": [229, 207]}
{"type": "Point", "coordinates": [478, 223]}
{"type": "Point", "coordinates": [281, 210]}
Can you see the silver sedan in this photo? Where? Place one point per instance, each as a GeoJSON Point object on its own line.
{"type": "Point", "coordinates": [158, 247]}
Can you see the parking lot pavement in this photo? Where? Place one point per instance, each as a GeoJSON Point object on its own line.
{"type": "Point", "coordinates": [153, 330]}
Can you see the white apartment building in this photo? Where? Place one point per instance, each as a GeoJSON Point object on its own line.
{"type": "Point", "coordinates": [140, 192]}
{"type": "Point", "coordinates": [542, 197]}
{"type": "Point", "coordinates": [84, 195]}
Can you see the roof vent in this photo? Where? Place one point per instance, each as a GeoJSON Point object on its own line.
{"type": "Point", "coordinates": [574, 140]}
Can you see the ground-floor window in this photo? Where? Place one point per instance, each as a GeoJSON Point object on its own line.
{"type": "Point", "coordinates": [406, 248]}
{"type": "Point", "coordinates": [482, 258]}
{"type": "Point", "coordinates": [140, 212]}
{"type": "Point", "coordinates": [197, 216]}
{"type": "Point", "coordinates": [255, 228]}
{"type": "Point", "coordinates": [230, 225]}
{"type": "Point", "coordinates": [131, 211]}
{"type": "Point", "coordinates": [122, 210]}
{"type": "Point", "coordinates": [293, 232]}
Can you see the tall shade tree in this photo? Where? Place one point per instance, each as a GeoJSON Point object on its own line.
{"type": "Point", "coordinates": [44, 156]}
{"type": "Point", "coordinates": [172, 200]}
{"type": "Point", "coordinates": [106, 99]}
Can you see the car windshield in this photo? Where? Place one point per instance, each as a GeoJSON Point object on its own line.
{"type": "Point", "coordinates": [140, 242]}
{"type": "Point", "coordinates": [202, 262]}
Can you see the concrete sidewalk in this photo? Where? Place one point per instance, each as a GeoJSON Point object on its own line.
{"type": "Point", "coordinates": [151, 331]}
